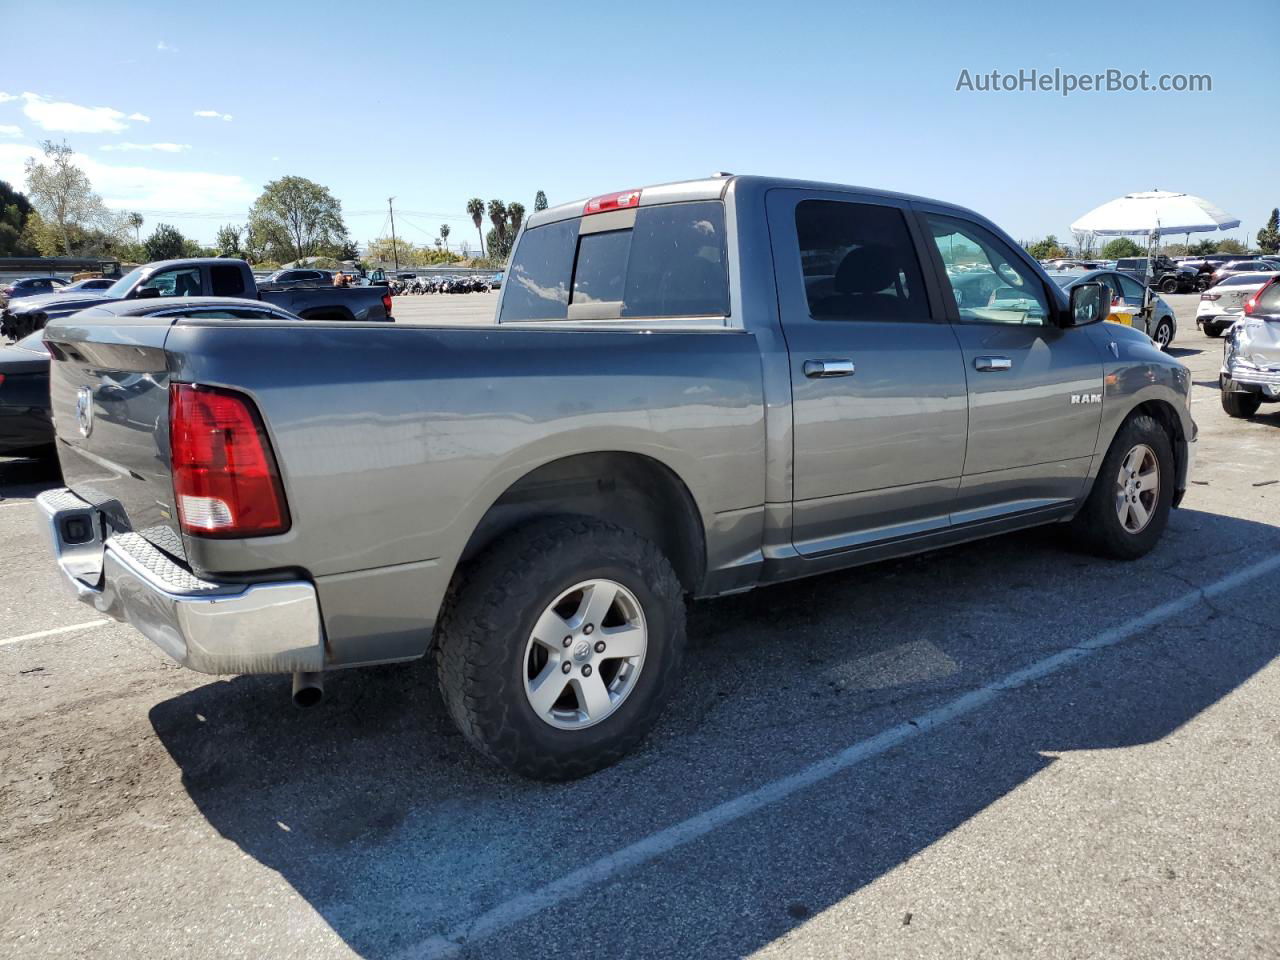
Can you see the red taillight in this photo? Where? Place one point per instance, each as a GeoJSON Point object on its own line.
{"type": "Point", "coordinates": [225, 481]}
{"type": "Point", "coordinates": [386, 303]}
{"type": "Point", "coordinates": [1251, 304]}
{"type": "Point", "coordinates": [1, 379]}
{"type": "Point", "coordinates": [612, 201]}
{"type": "Point", "coordinates": [1210, 296]}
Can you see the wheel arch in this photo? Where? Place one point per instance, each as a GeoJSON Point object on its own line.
{"type": "Point", "coordinates": [626, 488]}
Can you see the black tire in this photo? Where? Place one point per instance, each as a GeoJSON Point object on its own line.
{"type": "Point", "coordinates": [1169, 285]}
{"type": "Point", "coordinates": [1097, 526]}
{"type": "Point", "coordinates": [1212, 330]}
{"type": "Point", "coordinates": [1163, 335]}
{"type": "Point", "coordinates": [489, 616]}
{"type": "Point", "coordinates": [1241, 405]}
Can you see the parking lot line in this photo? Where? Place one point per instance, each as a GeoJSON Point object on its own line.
{"type": "Point", "coordinates": [513, 911]}
{"type": "Point", "coordinates": [54, 632]}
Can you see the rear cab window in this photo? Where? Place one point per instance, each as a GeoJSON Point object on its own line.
{"type": "Point", "coordinates": [662, 261]}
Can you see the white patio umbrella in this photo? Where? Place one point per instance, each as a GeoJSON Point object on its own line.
{"type": "Point", "coordinates": [1152, 214]}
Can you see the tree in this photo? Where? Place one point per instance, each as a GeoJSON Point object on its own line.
{"type": "Point", "coordinates": [1085, 240]}
{"type": "Point", "coordinates": [297, 218]}
{"type": "Point", "coordinates": [349, 250]}
{"type": "Point", "coordinates": [539, 201]}
{"type": "Point", "coordinates": [1230, 245]}
{"type": "Point", "coordinates": [515, 217]}
{"type": "Point", "coordinates": [1269, 236]}
{"type": "Point", "coordinates": [165, 243]}
{"type": "Point", "coordinates": [228, 241]}
{"type": "Point", "coordinates": [62, 193]}
{"type": "Point", "coordinates": [475, 210]}
{"type": "Point", "coordinates": [135, 221]}
{"type": "Point", "coordinates": [1121, 247]}
{"type": "Point", "coordinates": [1046, 249]}
{"type": "Point", "coordinates": [444, 235]}
{"type": "Point", "coordinates": [1202, 247]}
{"type": "Point", "coordinates": [15, 213]}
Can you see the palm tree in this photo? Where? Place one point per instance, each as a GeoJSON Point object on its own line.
{"type": "Point", "coordinates": [475, 209]}
{"type": "Point", "coordinates": [515, 217]}
{"type": "Point", "coordinates": [498, 217]}
{"type": "Point", "coordinates": [135, 220]}
{"type": "Point", "coordinates": [444, 235]}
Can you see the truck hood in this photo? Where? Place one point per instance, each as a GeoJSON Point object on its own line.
{"type": "Point", "coordinates": [1257, 340]}
{"type": "Point", "coordinates": [58, 302]}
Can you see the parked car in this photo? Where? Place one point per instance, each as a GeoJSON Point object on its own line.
{"type": "Point", "coordinates": [88, 284]}
{"type": "Point", "coordinates": [29, 287]}
{"type": "Point", "coordinates": [25, 426]}
{"type": "Point", "coordinates": [1156, 319]}
{"type": "Point", "coordinates": [1233, 267]}
{"type": "Point", "coordinates": [205, 276]}
{"type": "Point", "coordinates": [1223, 304]}
{"type": "Point", "coordinates": [1250, 374]}
{"type": "Point", "coordinates": [1165, 276]}
{"type": "Point", "coordinates": [299, 275]}
{"type": "Point", "coordinates": [692, 389]}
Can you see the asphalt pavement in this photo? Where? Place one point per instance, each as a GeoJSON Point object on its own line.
{"type": "Point", "coordinates": [1006, 749]}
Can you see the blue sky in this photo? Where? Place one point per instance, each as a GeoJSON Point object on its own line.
{"type": "Point", "coordinates": [437, 103]}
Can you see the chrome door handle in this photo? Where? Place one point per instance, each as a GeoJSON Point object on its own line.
{"type": "Point", "coordinates": [818, 369]}
{"type": "Point", "coordinates": [990, 364]}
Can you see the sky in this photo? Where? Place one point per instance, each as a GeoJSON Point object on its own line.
{"type": "Point", "coordinates": [185, 112]}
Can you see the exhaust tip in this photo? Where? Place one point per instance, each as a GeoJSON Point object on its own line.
{"type": "Point", "coordinates": [308, 689]}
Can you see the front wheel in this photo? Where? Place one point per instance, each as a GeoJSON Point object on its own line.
{"type": "Point", "coordinates": [1169, 285]}
{"type": "Point", "coordinates": [560, 646]}
{"type": "Point", "coordinates": [1128, 507]}
{"type": "Point", "coordinates": [1163, 335]}
{"type": "Point", "coordinates": [1240, 405]}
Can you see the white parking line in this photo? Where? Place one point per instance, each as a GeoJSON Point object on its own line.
{"type": "Point", "coordinates": [55, 631]}
{"type": "Point", "coordinates": [513, 911]}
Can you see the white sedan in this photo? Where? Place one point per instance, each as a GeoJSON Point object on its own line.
{"type": "Point", "coordinates": [1223, 304]}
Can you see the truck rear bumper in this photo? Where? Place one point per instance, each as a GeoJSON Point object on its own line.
{"type": "Point", "coordinates": [218, 628]}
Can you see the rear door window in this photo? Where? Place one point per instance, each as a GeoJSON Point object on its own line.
{"type": "Point", "coordinates": [670, 261]}
{"type": "Point", "coordinates": [227, 281]}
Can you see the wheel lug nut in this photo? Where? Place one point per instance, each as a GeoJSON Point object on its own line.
{"type": "Point", "coordinates": [566, 641]}
{"type": "Point", "coordinates": [588, 629]}
{"type": "Point", "coordinates": [599, 646]}
{"type": "Point", "coordinates": [566, 667]}
{"type": "Point", "coordinates": [586, 669]}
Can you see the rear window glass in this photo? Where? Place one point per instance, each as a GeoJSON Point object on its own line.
{"type": "Point", "coordinates": [1268, 300]}
{"type": "Point", "coordinates": [671, 263]}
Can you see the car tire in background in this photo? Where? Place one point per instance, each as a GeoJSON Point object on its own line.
{"type": "Point", "coordinates": [556, 621]}
{"type": "Point", "coordinates": [1169, 285]}
{"type": "Point", "coordinates": [1211, 330]}
{"type": "Point", "coordinates": [1163, 333]}
{"type": "Point", "coordinates": [1240, 405]}
{"type": "Point", "coordinates": [1128, 507]}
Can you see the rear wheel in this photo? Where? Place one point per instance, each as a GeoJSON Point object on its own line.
{"type": "Point", "coordinates": [1212, 330]}
{"type": "Point", "coordinates": [1241, 405]}
{"type": "Point", "coordinates": [1128, 508]}
{"type": "Point", "coordinates": [560, 647]}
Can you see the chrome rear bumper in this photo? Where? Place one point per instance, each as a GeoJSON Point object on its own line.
{"type": "Point", "coordinates": [210, 627]}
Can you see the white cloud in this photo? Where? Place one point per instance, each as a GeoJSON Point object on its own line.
{"type": "Point", "coordinates": [9, 130]}
{"type": "Point", "coordinates": [72, 117]}
{"type": "Point", "coordinates": [140, 117]}
{"type": "Point", "coordinates": [214, 114]}
{"type": "Point", "coordinates": [162, 147]}
{"type": "Point", "coordinates": [166, 48]}
{"type": "Point", "coordinates": [143, 188]}
{"type": "Point", "coordinates": [6, 97]}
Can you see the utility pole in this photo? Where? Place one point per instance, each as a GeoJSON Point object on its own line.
{"type": "Point", "coordinates": [395, 251]}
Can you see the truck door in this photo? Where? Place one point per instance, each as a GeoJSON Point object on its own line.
{"type": "Point", "coordinates": [1035, 389]}
{"type": "Point", "coordinates": [878, 384]}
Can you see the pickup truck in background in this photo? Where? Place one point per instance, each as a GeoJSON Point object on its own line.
{"type": "Point", "coordinates": [692, 389]}
{"type": "Point", "coordinates": [206, 276]}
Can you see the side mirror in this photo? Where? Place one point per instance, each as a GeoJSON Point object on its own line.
{"type": "Point", "coordinates": [147, 293]}
{"type": "Point", "coordinates": [1089, 304]}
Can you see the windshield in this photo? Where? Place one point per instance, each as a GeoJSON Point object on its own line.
{"type": "Point", "coordinates": [124, 284]}
{"type": "Point", "coordinates": [33, 342]}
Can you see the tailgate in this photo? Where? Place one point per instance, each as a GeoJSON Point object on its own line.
{"type": "Point", "coordinates": [109, 391]}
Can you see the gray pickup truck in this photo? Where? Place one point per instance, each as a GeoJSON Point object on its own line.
{"type": "Point", "coordinates": [201, 276]}
{"type": "Point", "coordinates": [691, 390]}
